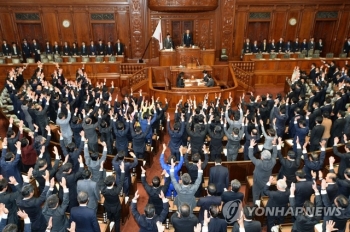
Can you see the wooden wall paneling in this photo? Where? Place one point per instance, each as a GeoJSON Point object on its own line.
{"type": "Point", "coordinates": [342, 34]}
{"type": "Point", "coordinates": [306, 24]}
{"type": "Point", "coordinates": [98, 31]}
{"type": "Point", "coordinates": [240, 21]}
{"type": "Point", "coordinates": [324, 30]}
{"type": "Point", "coordinates": [124, 29]}
{"type": "Point", "coordinates": [203, 35]}
{"type": "Point", "coordinates": [31, 31]}
{"type": "Point", "coordinates": [7, 30]}
{"type": "Point", "coordinates": [82, 28]}
{"type": "Point", "coordinates": [258, 31]}
{"type": "Point", "coordinates": [279, 22]}
{"type": "Point", "coordinates": [49, 21]}
{"type": "Point", "coordinates": [68, 33]}
{"type": "Point", "coordinates": [228, 11]}
{"type": "Point", "coordinates": [138, 34]}
{"type": "Point", "coordinates": [291, 31]}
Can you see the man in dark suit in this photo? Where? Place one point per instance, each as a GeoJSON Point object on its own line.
{"type": "Point", "coordinates": [74, 49]}
{"type": "Point", "coordinates": [312, 73]}
{"type": "Point", "coordinates": [36, 50]}
{"type": "Point", "coordinates": [84, 218]}
{"type": "Point", "coordinates": [116, 162]}
{"type": "Point", "coordinates": [290, 164]}
{"type": "Point", "coordinates": [248, 221]}
{"type": "Point", "coordinates": [6, 50]}
{"type": "Point", "coordinates": [100, 48]}
{"type": "Point", "coordinates": [197, 135]}
{"type": "Point", "coordinates": [313, 162]}
{"type": "Point", "coordinates": [109, 49]}
{"type": "Point", "coordinates": [187, 39]}
{"type": "Point", "coordinates": [15, 51]}
{"type": "Point", "coordinates": [184, 220]}
{"type": "Point", "coordinates": [216, 224]}
{"type": "Point", "coordinates": [26, 50]}
{"type": "Point", "coordinates": [338, 126]}
{"type": "Point", "coordinates": [247, 46]}
{"type": "Point", "coordinates": [255, 47]}
{"type": "Point", "coordinates": [315, 113]}
{"type": "Point", "coordinates": [263, 168]}
{"type": "Point", "coordinates": [344, 157]}
{"type": "Point", "coordinates": [216, 136]}
{"type": "Point", "coordinates": [319, 45]}
{"type": "Point", "coordinates": [304, 45]}
{"type": "Point", "coordinates": [346, 46]}
{"type": "Point", "coordinates": [311, 45]}
{"type": "Point", "coordinates": [66, 49]}
{"type": "Point", "coordinates": [83, 49]}
{"type": "Point", "coordinates": [111, 193]}
{"type": "Point", "coordinates": [306, 220]}
{"type": "Point", "coordinates": [32, 205]}
{"type": "Point", "coordinates": [168, 42]}
{"type": "Point", "coordinates": [264, 46]}
{"type": "Point", "coordinates": [205, 203]}
{"type": "Point", "coordinates": [219, 176]}
{"type": "Point", "coordinates": [272, 46]}
{"type": "Point", "coordinates": [331, 180]}
{"type": "Point", "coordinates": [316, 134]}
{"type": "Point", "coordinates": [9, 198]}
{"type": "Point", "coordinates": [48, 48]}
{"type": "Point", "coordinates": [280, 45]}
{"type": "Point", "coordinates": [233, 194]}
{"type": "Point", "coordinates": [288, 47]}
{"type": "Point", "coordinates": [296, 45]}
{"type": "Point", "coordinates": [277, 199]}
{"type": "Point", "coordinates": [92, 49]}
{"type": "Point", "coordinates": [147, 221]}
{"type": "Point", "coordinates": [53, 209]}
{"type": "Point", "coordinates": [119, 48]}
{"type": "Point", "coordinates": [281, 116]}
{"type": "Point", "coordinates": [154, 190]}
{"type": "Point", "coordinates": [210, 82]}
{"type": "Point", "coordinates": [56, 48]}
{"type": "Point", "coordinates": [303, 188]}
{"type": "Point", "coordinates": [176, 136]}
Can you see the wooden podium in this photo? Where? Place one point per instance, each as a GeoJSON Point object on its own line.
{"type": "Point", "coordinates": [183, 56]}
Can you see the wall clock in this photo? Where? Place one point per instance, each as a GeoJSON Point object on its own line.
{"type": "Point", "coordinates": [66, 23]}
{"type": "Point", "coordinates": [292, 21]}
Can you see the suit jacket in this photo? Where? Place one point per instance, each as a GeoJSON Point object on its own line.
{"type": "Point", "coordinates": [66, 50]}
{"type": "Point", "coordinates": [217, 225]}
{"type": "Point", "coordinates": [4, 222]}
{"type": "Point", "coordinates": [15, 51]}
{"type": "Point", "coordinates": [168, 43]}
{"type": "Point", "coordinates": [280, 46]}
{"type": "Point", "coordinates": [277, 198]}
{"type": "Point", "coordinates": [312, 122]}
{"type": "Point", "coordinates": [75, 51]}
{"type": "Point", "coordinates": [35, 49]}
{"type": "Point", "coordinates": [121, 49]}
{"type": "Point", "coordinates": [32, 207]}
{"type": "Point", "coordinates": [255, 48]}
{"type": "Point", "coordinates": [247, 48]}
{"type": "Point", "coordinates": [304, 46]}
{"type": "Point", "coordinates": [227, 196]}
{"type": "Point", "coordinates": [10, 168]}
{"type": "Point", "coordinates": [94, 165]}
{"type": "Point", "coordinates": [344, 161]}
{"type": "Point", "coordinates": [289, 167]}
{"type": "Point", "coordinates": [91, 188]}
{"type": "Point", "coordinates": [59, 219]}
{"type": "Point", "coordinates": [219, 175]}
{"type": "Point", "coordinates": [149, 224]}
{"type": "Point", "coordinates": [338, 128]}
{"type": "Point", "coordinates": [175, 137]}
{"type": "Point", "coordinates": [138, 140]}
{"type": "Point", "coordinates": [316, 135]}
{"type": "Point", "coordinates": [26, 50]}
{"type": "Point", "coordinates": [85, 219]}
{"type": "Point", "coordinates": [319, 46]}
{"type": "Point", "coordinates": [187, 40]}
{"type": "Point", "coordinates": [210, 83]}
{"type": "Point", "coordinates": [127, 167]}
{"type": "Point", "coordinates": [327, 123]}
{"type": "Point", "coordinates": [184, 224]}
{"type": "Point", "coordinates": [48, 49]}
{"type": "Point", "coordinates": [56, 49]}
{"type": "Point", "coordinates": [205, 202]}
{"type": "Point", "coordinates": [313, 165]}
{"type": "Point", "coordinates": [192, 168]}
{"type": "Point", "coordinates": [84, 51]}
{"type": "Point", "coordinates": [197, 138]}
{"type": "Point", "coordinates": [9, 199]}
{"type": "Point", "coordinates": [6, 49]}
{"type": "Point", "coordinates": [304, 222]}
{"type": "Point", "coordinates": [92, 50]}
{"type": "Point", "coordinates": [109, 50]}
{"type": "Point", "coordinates": [303, 192]}
{"type": "Point", "coordinates": [112, 203]}
{"type": "Point", "coordinates": [311, 45]}
{"type": "Point", "coordinates": [251, 226]}
{"type": "Point", "coordinates": [264, 47]}
{"type": "Point", "coordinates": [272, 48]}
{"type": "Point", "coordinates": [340, 218]}
{"type": "Point", "coordinates": [100, 49]}
{"type": "Point", "coordinates": [121, 138]}
{"type": "Point", "coordinates": [288, 47]}
{"type": "Point", "coordinates": [153, 193]}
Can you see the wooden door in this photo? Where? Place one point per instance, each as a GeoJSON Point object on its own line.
{"type": "Point", "coordinates": [324, 30]}
{"type": "Point", "coordinates": [178, 29]}
{"type": "Point", "coordinates": [30, 31]}
{"type": "Point", "coordinates": [103, 31]}
{"type": "Point", "coordinates": [258, 31]}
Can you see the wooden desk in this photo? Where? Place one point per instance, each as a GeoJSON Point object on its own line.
{"type": "Point", "coordinates": [197, 72]}
{"type": "Point", "coordinates": [184, 56]}
{"type": "Point", "coordinates": [167, 57]}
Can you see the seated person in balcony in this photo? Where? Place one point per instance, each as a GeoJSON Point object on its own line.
{"type": "Point", "coordinates": [210, 82]}
{"type": "Point", "coordinates": [180, 83]}
{"type": "Point", "coordinates": [205, 76]}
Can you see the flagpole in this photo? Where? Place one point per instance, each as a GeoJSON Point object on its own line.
{"type": "Point", "coordinates": [149, 41]}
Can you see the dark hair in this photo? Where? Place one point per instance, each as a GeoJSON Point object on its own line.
{"type": "Point", "coordinates": [300, 173]}
{"type": "Point", "coordinates": [235, 131]}
{"type": "Point", "coordinates": [172, 157]}
{"type": "Point", "coordinates": [83, 197]}
{"type": "Point", "coordinates": [218, 160]}
{"type": "Point", "coordinates": [342, 201]}
{"type": "Point", "coordinates": [195, 158]}
{"type": "Point", "coordinates": [347, 172]}
{"type": "Point", "coordinates": [27, 190]}
{"type": "Point", "coordinates": [75, 119]}
{"type": "Point", "coordinates": [52, 201]}
{"type": "Point", "coordinates": [149, 210]}
{"type": "Point", "coordinates": [3, 184]}
{"type": "Point", "coordinates": [66, 167]}
{"type": "Point", "coordinates": [24, 142]}
{"type": "Point", "coordinates": [61, 115]}
{"type": "Point", "coordinates": [214, 210]}
{"type": "Point", "coordinates": [10, 133]}
{"type": "Point", "coordinates": [121, 155]}
{"type": "Point", "coordinates": [41, 163]}
{"type": "Point", "coordinates": [8, 156]}
{"type": "Point", "coordinates": [186, 179]}
{"type": "Point", "coordinates": [86, 174]}
{"type": "Point", "coordinates": [156, 181]}
{"type": "Point", "coordinates": [109, 180]}
{"type": "Point", "coordinates": [211, 189]}
{"type": "Point", "coordinates": [120, 125]}
{"type": "Point", "coordinates": [94, 156]}
{"type": "Point", "coordinates": [308, 206]}
{"type": "Point", "coordinates": [248, 212]}
{"type": "Point", "coordinates": [291, 154]}
{"type": "Point", "coordinates": [71, 147]}
{"type": "Point", "coordinates": [185, 210]}
{"type": "Point", "coordinates": [10, 228]}
{"type": "Point", "coordinates": [319, 119]}
{"type": "Point", "coordinates": [177, 126]}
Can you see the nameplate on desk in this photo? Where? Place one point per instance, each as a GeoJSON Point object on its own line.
{"type": "Point", "coordinates": [336, 58]}
{"type": "Point", "coordinates": [249, 54]}
{"type": "Point", "coordinates": [83, 62]}
{"type": "Point", "coordinates": [9, 64]}
{"type": "Point", "coordinates": [68, 62]}
{"type": "Point", "coordinates": [292, 58]}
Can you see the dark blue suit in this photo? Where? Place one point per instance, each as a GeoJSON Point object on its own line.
{"type": "Point", "coordinates": [92, 50]}
{"type": "Point", "coordinates": [281, 121]}
{"type": "Point", "coordinates": [313, 165]}
{"type": "Point", "coordinates": [85, 219]}
{"type": "Point", "coordinates": [218, 175]}
{"type": "Point", "coordinates": [26, 50]}
{"type": "Point", "coordinates": [205, 202]}
{"type": "Point", "coordinates": [187, 40]}
{"type": "Point", "coordinates": [127, 167]}
{"type": "Point", "coordinates": [109, 50]}
{"type": "Point", "coordinates": [175, 139]}
{"type": "Point", "coordinates": [10, 168]}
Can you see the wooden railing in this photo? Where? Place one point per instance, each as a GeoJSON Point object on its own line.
{"type": "Point", "coordinates": [138, 76]}
{"type": "Point", "coordinates": [130, 68]}
{"type": "Point", "coordinates": [244, 76]}
{"type": "Point", "coordinates": [247, 66]}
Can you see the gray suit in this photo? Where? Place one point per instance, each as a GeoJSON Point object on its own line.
{"type": "Point", "coordinates": [66, 131]}
{"type": "Point", "coordinates": [233, 143]}
{"type": "Point", "coordinates": [262, 171]}
{"type": "Point", "coordinates": [91, 135]}
{"type": "Point", "coordinates": [168, 43]}
{"type": "Point", "coordinates": [91, 188]}
{"type": "Point", "coordinates": [60, 221]}
{"type": "Point", "coordinates": [185, 194]}
{"type": "Point", "coordinates": [94, 165]}
{"type": "Point", "coordinates": [234, 124]}
{"type": "Point", "coordinates": [210, 82]}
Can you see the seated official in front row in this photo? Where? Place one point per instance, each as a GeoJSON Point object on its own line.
{"type": "Point", "coordinates": [210, 82]}
{"type": "Point", "coordinates": [180, 83]}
